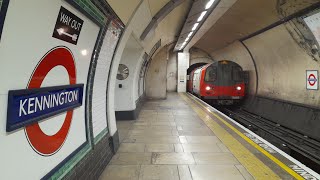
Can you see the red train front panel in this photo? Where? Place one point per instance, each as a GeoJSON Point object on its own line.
{"type": "Point", "coordinates": [222, 82]}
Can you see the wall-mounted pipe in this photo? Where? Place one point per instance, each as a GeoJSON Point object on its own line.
{"type": "Point", "coordinates": [161, 14]}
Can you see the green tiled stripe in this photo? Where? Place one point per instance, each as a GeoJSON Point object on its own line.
{"type": "Point", "coordinates": [100, 135]}
{"type": "Point", "coordinates": [71, 163]}
{"type": "Point", "coordinates": [90, 8]}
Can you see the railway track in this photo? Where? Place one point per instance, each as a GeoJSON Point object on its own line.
{"type": "Point", "coordinates": [303, 148]}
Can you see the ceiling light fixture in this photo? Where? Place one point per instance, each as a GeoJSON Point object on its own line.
{"type": "Point", "coordinates": [202, 15]}
{"type": "Point", "coordinates": [189, 35]}
{"type": "Point", "coordinates": [209, 4]}
{"type": "Point", "coordinates": [187, 39]}
{"type": "Point", "coordinates": [195, 26]}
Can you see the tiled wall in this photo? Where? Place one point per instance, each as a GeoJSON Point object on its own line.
{"type": "Point", "coordinates": [100, 84]}
{"type": "Point", "coordinates": [90, 8]}
{"type": "Point", "coordinates": [93, 163]}
{"type": "Point", "coordinates": [89, 162]}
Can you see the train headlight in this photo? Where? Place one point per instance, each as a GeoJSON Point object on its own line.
{"type": "Point", "coordinates": [239, 88]}
{"type": "Point", "coordinates": [208, 88]}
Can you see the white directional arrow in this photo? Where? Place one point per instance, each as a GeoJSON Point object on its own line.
{"type": "Point", "coordinates": [61, 31]}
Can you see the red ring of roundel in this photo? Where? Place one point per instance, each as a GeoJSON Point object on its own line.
{"type": "Point", "coordinates": [44, 144]}
{"type": "Point", "coordinates": [312, 83]}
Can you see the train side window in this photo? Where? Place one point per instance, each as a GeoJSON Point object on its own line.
{"type": "Point", "coordinates": [237, 73]}
{"type": "Point", "coordinates": [211, 74]}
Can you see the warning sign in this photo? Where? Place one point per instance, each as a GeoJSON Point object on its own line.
{"type": "Point", "coordinates": [312, 80]}
{"type": "Point", "coordinates": [68, 26]}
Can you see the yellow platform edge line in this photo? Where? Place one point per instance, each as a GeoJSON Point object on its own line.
{"type": "Point", "coordinates": [254, 166]}
{"type": "Point", "coordinates": [253, 170]}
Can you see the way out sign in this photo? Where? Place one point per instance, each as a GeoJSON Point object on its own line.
{"type": "Point", "coordinates": [312, 80]}
{"type": "Point", "coordinates": [68, 26]}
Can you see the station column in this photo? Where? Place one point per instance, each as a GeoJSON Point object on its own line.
{"type": "Point", "coordinates": [183, 65]}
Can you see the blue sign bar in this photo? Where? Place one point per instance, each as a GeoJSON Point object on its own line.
{"type": "Point", "coordinates": [28, 106]}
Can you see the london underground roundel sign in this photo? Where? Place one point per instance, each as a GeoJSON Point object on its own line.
{"type": "Point", "coordinates": [42, 143]}
{"type": "Point", "coordinates": [312, 79]}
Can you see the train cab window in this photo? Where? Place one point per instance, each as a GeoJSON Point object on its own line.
{"type": "Point", "coordinates": [237, 73]}
{"type": "Point", "coordinates": [211, 74]}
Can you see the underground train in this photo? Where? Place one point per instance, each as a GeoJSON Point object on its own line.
{"type": "Point", "coordinates": [221, 83]}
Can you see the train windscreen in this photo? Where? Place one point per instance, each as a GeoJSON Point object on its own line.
{"type": "Point", "coordinates": [228, 74]}
{"type": "Point", "coordinates": [211, 74]}
{"type": "Point", "coordinates": [237, 73]}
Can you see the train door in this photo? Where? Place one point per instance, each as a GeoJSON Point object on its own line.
{"type": "Point", "coordinates": [225, 78]}
{"type": "Point", "coordinates": [196, 81]}
{"type": "Point", "coordinates": [224, 74]}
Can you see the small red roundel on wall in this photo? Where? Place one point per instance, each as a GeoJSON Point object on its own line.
{"type": "Point", "coordinates": [42, 143]}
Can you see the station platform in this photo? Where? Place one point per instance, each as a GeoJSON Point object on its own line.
{"type": "Point", "coordinates": [183, 138]}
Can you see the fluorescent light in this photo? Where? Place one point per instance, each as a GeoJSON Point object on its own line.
{"type": "Point", "coordinates": [209, 4]}
{"type": "Point", "coordinates": [189, 35]}
{"type": "Point", "coordinates": [187, 39]}
{"type": "Point", "coordinates": [183, 44]}
{"type": "Point", "coordinates": [202, 15]}
{"type": "Point", "coordinates": [195, 26]}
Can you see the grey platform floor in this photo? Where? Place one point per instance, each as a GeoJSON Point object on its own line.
{"type": "Point", "coordinates": [169, 142]}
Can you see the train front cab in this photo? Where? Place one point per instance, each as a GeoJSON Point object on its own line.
{"type": "Point", "coordinates": [222, 83]}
